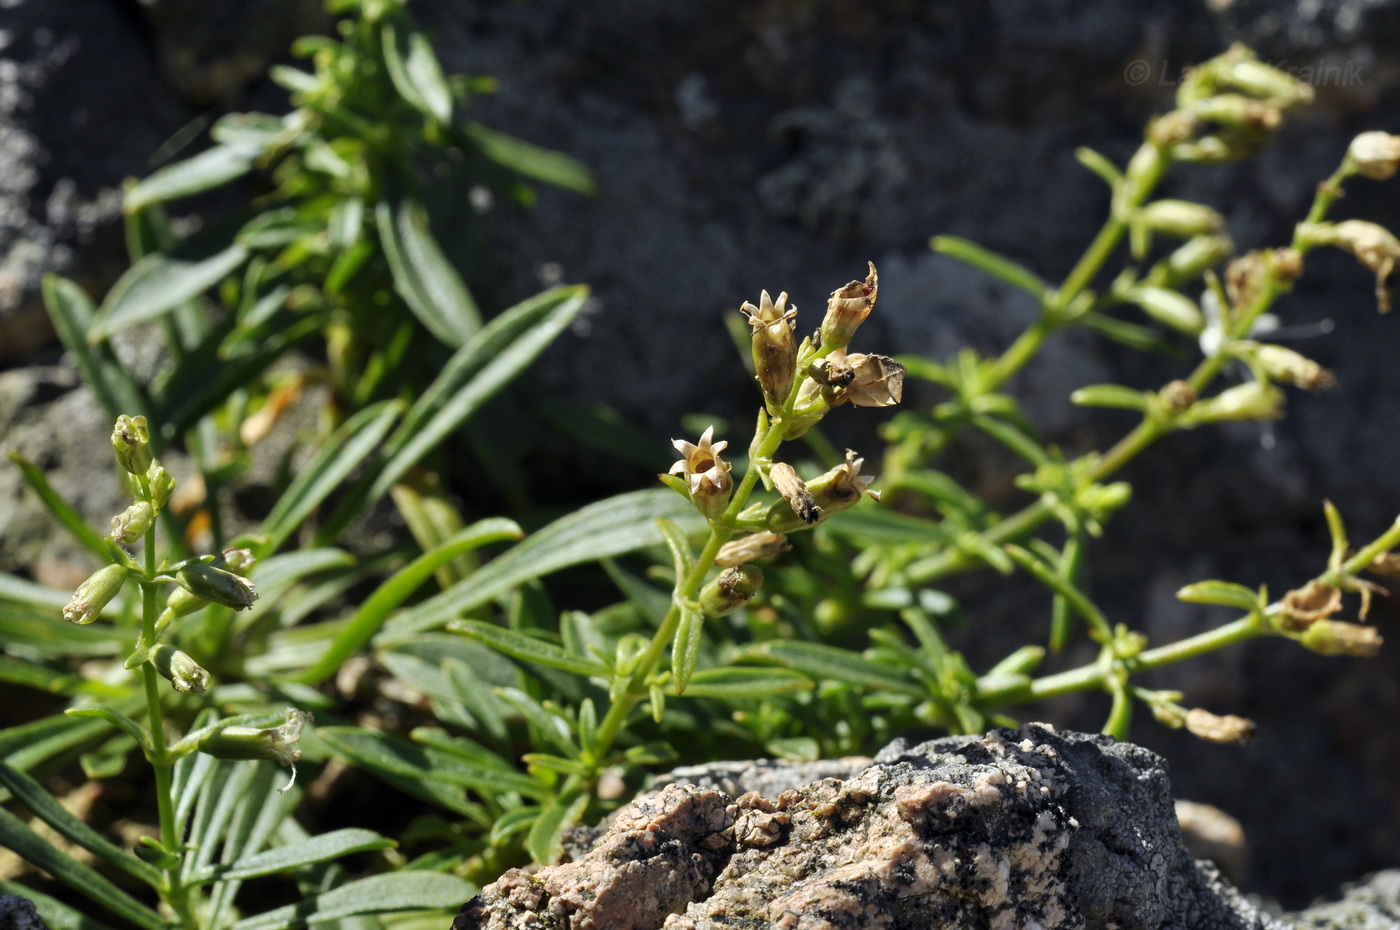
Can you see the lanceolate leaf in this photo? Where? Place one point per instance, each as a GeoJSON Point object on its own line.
{"type": "Point", "coordinates": [528, 648]}
{"type": "Point", "coordinates": [530, 160]}
{"type": "Point", "coordinates": [47, 809]}
{"type": "Point", "coordinates": [377, 894]}
{"type": "Point", "coordinates": [393, 592]}
{"type": "Point", "coordinates": [159, 283]}
{"type": "Point", "coordinates": [62, 511]}
{"type": "Point", "coordinates": [204, 171]}
{"type": "Point", "coordinates": [72, 314]}
{"type": "Point", "coordinates": [348, 447]}
{"type": "Point", "coordinates": [385, 755]}
{"type": "Point", "coordinates": [741, 683]}
{"type": "Point", "coordinates": [320, 848]}
{"type": "Point", "coordinates": [415, 72]}
{"type": "Point", "coordinates": [29, 846]}
{"type": "Point", "coordinates": [611, 527]}
{"type": "Point", "coordinates": [542, 841]}
{"type": "Point", "coordinates": [823, 661]}
{"type": "Point", "coordinates": [481, 368]}
{"type": "Point", "coordinates": [423, 276]}
{"type": "Point", "coordinates": [56, 914]}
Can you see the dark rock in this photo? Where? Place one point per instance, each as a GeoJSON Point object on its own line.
{"type": "Point", "coordinates": [1020, 828]}
{"type": "Point", "coordinates": [17, 913]}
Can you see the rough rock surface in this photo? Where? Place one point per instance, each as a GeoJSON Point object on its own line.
{"type": "Point", "coordinates": [1020, 828]}
{"type": "Point", "coordinates": [17, 913]}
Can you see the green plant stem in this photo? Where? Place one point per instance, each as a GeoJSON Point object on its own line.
{"type": "Point", "coordinates": [173, 891]}
{"type": "Point", "coordinates": [1029, 518]}
{"type": "Point", "coordinates": [1093, 676]}
{"type": "Point", "coordinates": [616, 718]}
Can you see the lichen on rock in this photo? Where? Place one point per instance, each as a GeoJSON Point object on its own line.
{"type": "Point", "coordinates": [1015, 829]}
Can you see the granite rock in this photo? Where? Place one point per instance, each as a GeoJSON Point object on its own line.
{"type": "Point", "coordinates": [1023, 828]}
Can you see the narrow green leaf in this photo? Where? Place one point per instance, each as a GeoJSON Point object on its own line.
{"type": "Point", "coordinates": [27, 744]}
{"type": "Point", "coordinates": [1109, 395]}
{"type": "Point", "coordinates": [511, 823]}
{"type": "Point", "coordinates": [990, 263]}
{"type": "Point", "coordinates": [19, 590]}
{"type": "Point", "coordinates": [476, 373]}
{"type": "Point", "coordinates": [400, 586]}
{"type": "Point", "coordinates": [72, 313]}
{"type": "Point", "coordinates": [377, 894]}
{"type": "Point", "coordinates": [1011, 436]}
{"type": "Point", "coordinates": [531, 161]}
{"type": "Point", "coordinates": [1101, 166]}
{"type": "Point", "coordinates": [415, 72]}
{"type": "Point", "coordinates": [423, 276]}
{"type": "Point", "coordinates": [116, 718]}
{"type": "Point", "coordinates": [745, 683]}
{"type": "Point", "coordinates": [205, 171]}
{"type": "Point", "coordinates": [832, 662]}
{"type": "Point", "coordinates": [47, 809]}
{"type": "Point", "coordinates": [39, 852]}
{"type": "Point", "coordinates": [56, 914]}
{"type": "Point", "coordinates": [346, 449]}
{"type": "Point", "coordinates": [682, 557]}
{"type": "Point", "coordinates": [1077, 599]}
{"type": "Point", "coordinates": [542, 842]}
{"type": "Point", "coordinates": [321, 848]}
{"type": "Point", "coordinates": [159, 283]}
{"type": "Point", "coordinates": [477, 697]}
{"type": "Point", "coordinates": [607, 528]}
{"type": "Point", "coordinates": [528, 648]}
{"type": "Point", "coordinates": [1142, 338]}
{"type": "Point", "coordinates": [62, 511]}
{"type": "Point", "coordinates": [685, 652]}
{"type": "Point", "coordinates": [385, 755]}
{"type": "Point", "coordinates": [1224, 593]}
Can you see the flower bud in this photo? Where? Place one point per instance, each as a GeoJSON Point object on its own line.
{"type": "Point", "coordinates": [1241, 69]}
{"type": "Point", "coordinates": [133, 522]}
{"type": "Point", "coordinates": [278, 744]}
{"type": "Point", "coordinates": [1252, 401]}
{"type": "Point", "coordinates": [730, 590]}
{"type": "Point", "coordinates": [1214, 728]}
{"type": "Point", "coordinates": [774, 347]}
{"type": "Point", "coordinates": [1180, 218]}
{"type": "Point", "coordinates": [1170, 308]}
{"type": "Point", "coordinates": [131, 441]}
{"type": "Point", "coordinates": [705, 473]}
{"type": "Point", "coordinates": [160, 483]}
{"type": "Point", "coordinates": [1335, 638]}
{"type": "Point", "coordinates": [847, 309]}
{"type": "Point", "coordinates": [183, 673]}
{"type": "Point", "coordinates": [94, 594]}
{"type": "Point", "coordinates": [1240, 112]}
{"type": "Point", "coordinates": [215, 584]}
{"type": "Point", "coordinates": [751, 547]}
{"type": "Point", "coordinates": [1289, 367]}
{"type": "Point", "coordinates": [1375, 155]}
{"type": "Point", "coordinates": [238, 561]}
{"type": "Point", "coordinates": [1196, 256]}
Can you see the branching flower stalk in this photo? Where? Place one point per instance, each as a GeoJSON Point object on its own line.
{"type": "Point", "coordinates": [1264, 619]}
{"type": "Point", "coordinates": [800, 384]}
{"type": "Point", "coordinates": [1270, 275]}
{"type": "Point", "coordinates": [199, 582]}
